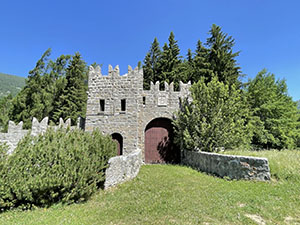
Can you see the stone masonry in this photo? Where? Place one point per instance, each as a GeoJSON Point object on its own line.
{"type": "Point", "coordinates": [122, 168]}
{"type": "Point", "coordinates": [16, 132]}
{"type": "Point", "coordinates": [232, 166]}
{"type": "Point", "coordinates": [104, 105]}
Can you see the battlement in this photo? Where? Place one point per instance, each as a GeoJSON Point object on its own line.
{"type": "Point", "coordinates": [113, 72]}
{"type": "Point", "coordinates": [169, 87]}
{"type": "Point", "coordinates": [16, 132]}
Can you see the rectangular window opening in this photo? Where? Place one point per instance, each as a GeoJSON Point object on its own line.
{"type": "Point", "coordinates": [123, 105]}
{"type": "Point", "coordinates": [144, 100]}
{"type": "Point", "coordinates": [102, 105]}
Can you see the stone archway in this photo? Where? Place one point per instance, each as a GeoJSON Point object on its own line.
{"type": "Point", "coordinates": [119, 140]}
{"type": "Point", "coordinates": [159, 142]}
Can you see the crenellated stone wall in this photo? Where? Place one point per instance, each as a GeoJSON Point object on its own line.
{"type": "Point", "coordinates": [16, 132]}
{"type": "Point", "coordinates": [13, 136]}
{"type": "Point", "coordinates": [142, 106]}
{"type": "Point", "coordinates": [232, 166]}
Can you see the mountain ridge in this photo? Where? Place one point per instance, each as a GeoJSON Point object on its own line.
{"type": "Point", "coordinates": [10, 84]}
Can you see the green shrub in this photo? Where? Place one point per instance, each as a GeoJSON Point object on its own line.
{"type": "Point", "coordinates": [217, 117]}
{"type": "Point", "coordinates": [59, 166]}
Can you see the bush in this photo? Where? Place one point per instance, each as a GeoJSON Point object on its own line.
{"type": "Point", "coordinates": [216, 118]}
{"type": "Point", "coordinates": [59, 166]}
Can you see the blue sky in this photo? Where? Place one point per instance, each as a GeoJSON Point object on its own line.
{"type": "Point", "coordinates": [120, 32]}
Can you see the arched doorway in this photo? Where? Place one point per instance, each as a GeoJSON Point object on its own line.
{"type": "Point", "coordinates": [119, 140]}
{"type": "Point", "coordinates": [159, 142]}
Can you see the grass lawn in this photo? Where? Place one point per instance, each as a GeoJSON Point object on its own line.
{"type": "Point", "coordinates": [167, 194]}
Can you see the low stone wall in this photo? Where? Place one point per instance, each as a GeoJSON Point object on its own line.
{"type": "Point", "coordinates": [16, 132]}
{"type": "Point", "coordinates": [122, 168]}
{"type": "Point", "coordinates": [234, 167]}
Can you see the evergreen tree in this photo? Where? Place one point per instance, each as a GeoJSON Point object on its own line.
{"type": "Point", "coordinates": [170, 59]}
{"type": "Point", "coordinates": [5, 106]}
{"type": "Point", "coordinates": [275, 115]}
{"type": "Point", "coordinates": [33, 100]}
{"type": "Point", "coordinates": [59, 81]}
{"type": "Point", "coordinates": [44, 87]}
{"type": "Point", "coordinates": [221, 58]}
{"type": "Point", "coordinates": [189, 56]}
{"type": "Point", "coordinates": [201, 65]}
{"type": "Point", "coordinates": [72, 103]}
{"type": "Point", "coordinates": [151, 64]}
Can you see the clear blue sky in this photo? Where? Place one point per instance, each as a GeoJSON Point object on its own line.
{"type": "Point", "coordinates": [267, 32]}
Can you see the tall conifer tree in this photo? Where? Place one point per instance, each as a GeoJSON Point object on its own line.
{"type": "Point", "coordinates": [221, 57]}
{"type": "Point", "coordinates": [151, 64]}
{"type": "Point", "coordinates": [72, 103]}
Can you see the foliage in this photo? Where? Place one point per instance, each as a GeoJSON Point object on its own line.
{"type": "Point", "coordinates": [59, 166]}
{"type": "Point", "coordinates": [215, 118]}
{"type": "Point", "coordinates": [10, 84]}
{"type": "Point", "coordinates": [72, 102]}
{"type": "Point", "coordinates": [168, 194]}
{"type": "Point", "coordinates": [275, 115]}
{"type": "Point", "coordinates": [3, 155]}
{"type": "Point", "coordinates": [161, 65]}
{"type": "Point", "coordinates": [45, 92]}
{"type": "Point", "coordinates": [216, 60]}
{"type": "Point", "coordinates": [220, 57]}
{"type": "Point", "coordinates": [5, 107]}
{"type": "Point", "coordinates": [151, 64]}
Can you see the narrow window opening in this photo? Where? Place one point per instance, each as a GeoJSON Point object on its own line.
{"type": "Point", "coordinates": [123, 105]}
{"type": "Point", "coordinates": [102, 105]}
{"type": "Point", "coordinates": [144, 100]}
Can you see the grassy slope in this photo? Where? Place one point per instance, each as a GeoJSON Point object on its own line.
{"type": "Point", "coordinates": [10, 84]}
{"type": "Point", "coordinates": [165, 194]}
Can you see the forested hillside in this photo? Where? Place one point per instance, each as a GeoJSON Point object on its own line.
{"type": "Point", "coordinates": [10, 84]}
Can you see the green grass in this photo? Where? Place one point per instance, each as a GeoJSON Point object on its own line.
{"type": "Point", "coordinates": [10, 84]}
{"type": "Point", "coordinates": [167, 194]}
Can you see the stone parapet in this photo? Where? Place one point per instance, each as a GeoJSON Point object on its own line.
{"type": "Point", "coordinates": [122, 168]}
{"type": "Point", "coordinates": [234, 167]}
{"type": "Point", "coordinates": [16, 132]}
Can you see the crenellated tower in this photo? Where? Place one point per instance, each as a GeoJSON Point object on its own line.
{"type": "Point", "coordinates": [118, 105]}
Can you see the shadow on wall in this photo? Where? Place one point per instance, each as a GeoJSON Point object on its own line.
{"type": "Point", "coordinates": [168, 151]}
{"type": "Point", "coordinates": [159, 142]}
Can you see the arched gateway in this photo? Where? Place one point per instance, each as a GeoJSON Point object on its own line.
{"type": "Point", "coordinates": [159, 142]}
{"type": "Point", "coordinates": [119, 140]}
{"type": "Point", "coordinates": [119, 104]}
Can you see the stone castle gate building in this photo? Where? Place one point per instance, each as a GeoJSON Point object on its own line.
{"type": "Point", "coordinates": [136, 118]}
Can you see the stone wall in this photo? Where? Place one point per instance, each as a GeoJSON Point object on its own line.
{"type": "Point", "coordinates": [13, 136]}
{"type": "Point", "coordinates": [234, 167]}
{"type": "Point", "coordinates": [142, 106]}
{"type": "Point", "coordinates": [16, 132]}
{"type": "Point", "coordinates": [112, 89]}
{"type": "Point", "coordinates": [122, 168]}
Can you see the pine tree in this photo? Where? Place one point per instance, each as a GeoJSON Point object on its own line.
{"type": "Point", "coordinates": [169, 62]}
{"type": "Point", "coordinates": [43, 87]}
{"type": "Point", "coordinates": [201, 64]}
{"type": "Point", "coordinates": [189, 56]}
{"type": "Point", "coordinates": [5, 106]}
{"type": "Point", "coordinates": [33, 100]}
{"type": "Point", "coordinates": [72, 103]}
{"type": "Point", "coordinates": [221, 57]}
{"type": "Point", "coordinates": [151, 64]}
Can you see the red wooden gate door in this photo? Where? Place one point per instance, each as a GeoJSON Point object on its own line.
{"type": "Point", "coordinates": [159, 146]}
